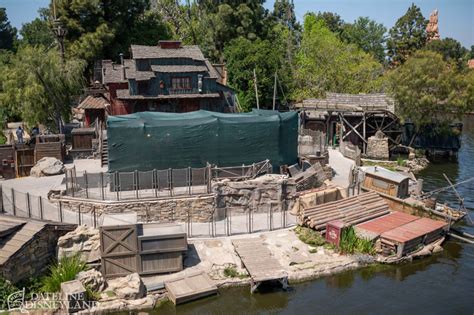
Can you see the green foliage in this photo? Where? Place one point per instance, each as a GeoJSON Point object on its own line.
{"type": "Point", "coordinates": [65, 270]}
{"type": "Point", "coordinates": [37, 87]}
{"type": "Point", "coordinates": [332, 21]}
{"type": "Point", "coordinates": [426, 87]}
{"type": "Point", "coordinates": [38, 31]}
{"type": "Point", "coordinates": [6, 288]}
{"type": "Point", "coordinates": [7, 32]}
{"type": "Point", "coordinates": [309, 236]}
{"type": "Point", "coordinates": [325, 63]}
{"type": "Point", "coordinates": [231, 272]}
{"type": "Point", "coordinates": [242, 57]}
{"type": "Point", "coordinates": [451, 50]}
{"type": "Point", "coordinates": [407, 36]}
{"type": "Point", "coordinates": [401, 161]}
{"type": "Point", "coordinates": [368, 35]}
{"type": "Point", "coordinates": [350, 243]}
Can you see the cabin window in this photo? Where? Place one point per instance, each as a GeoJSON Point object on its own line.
{"type": "Point", "coordinates": [380, 184]}
{"type": "Point", "coordinates": [142, 87]}
{"type": "Point", "coordinates": [181, 83]}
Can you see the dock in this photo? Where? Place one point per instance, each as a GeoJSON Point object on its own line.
{"type": "Point", "coordinates": [190, 287]}
{"type": "Point", "coordinates": [260, 263]}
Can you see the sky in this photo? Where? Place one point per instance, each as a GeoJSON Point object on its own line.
{"type": "Point", "coordinates": [456, 17]}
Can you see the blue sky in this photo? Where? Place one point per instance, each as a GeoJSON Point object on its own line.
{"type": "Point", "coordinates": [456, 17]}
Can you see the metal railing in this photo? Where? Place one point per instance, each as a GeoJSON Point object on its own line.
{"type": "Point", "coordinates": [155, 183]}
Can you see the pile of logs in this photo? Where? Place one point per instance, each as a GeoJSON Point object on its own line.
{"type": "Point", "coordinates": [352, 210]}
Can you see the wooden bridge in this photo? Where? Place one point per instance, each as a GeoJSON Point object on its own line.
{"type": "Point", "coordinates": [259, 262]}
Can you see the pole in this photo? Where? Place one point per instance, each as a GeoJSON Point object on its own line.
{"type": "Point", "coordinates": [275, 91]}
{"type": "Point", "coordinates": [256, 88]}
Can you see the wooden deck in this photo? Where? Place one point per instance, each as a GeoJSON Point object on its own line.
{"type": "Point", "coordinates": [259, 262]}
{"type": "Point", "coordinates": [190, 287]}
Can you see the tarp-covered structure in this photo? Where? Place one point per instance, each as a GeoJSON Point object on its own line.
{"type": "Point", "coordinates": [155, 140]}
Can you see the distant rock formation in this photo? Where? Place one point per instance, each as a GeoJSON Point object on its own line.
{"type": "Point", "coordinates": [432, 27]}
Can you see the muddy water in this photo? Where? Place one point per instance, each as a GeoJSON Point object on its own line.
{"type": "Point", "coordinates": [442, 284]}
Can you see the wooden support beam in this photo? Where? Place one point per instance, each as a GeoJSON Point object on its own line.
{"type": "Point", "coordinates": [344, 120]}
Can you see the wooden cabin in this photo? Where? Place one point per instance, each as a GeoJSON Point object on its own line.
{"type": "Point", "coordinates": [385, 181]}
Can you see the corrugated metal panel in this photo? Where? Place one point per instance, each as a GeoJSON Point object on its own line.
{"type": "Point", "coordinates": [413, 230]}
{"type": "Point", "coordinates": [388, 222]}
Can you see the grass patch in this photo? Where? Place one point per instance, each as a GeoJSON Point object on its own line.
{"type": "Point", "coordinates": [65, 270]}
{"type": "Point", "coordinates": [231, 272]}
{"type": "Point", "coordinates": [350, 243]}
{"type": "Point", "coordinates": [309, 236]}
{"type": "Point", "coordinates": [401, 162]}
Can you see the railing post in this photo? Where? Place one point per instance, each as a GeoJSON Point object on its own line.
{"type": "Point", "coordinates": [153, 182]}
{"type": "Point", "coordinates": [243, 170]}
{"type": "Point", "coordinates": [41, 207]}
{"type": "Point", "coordinates": [86, 181]}
{"type": "Point", "coordinates": [102, 186]}
{"type": "Point", "coordinates": [67, 179]}
{"type": "Point", "coordinates": [13, 201]}
{"type": "Point", "coordinates": [135, 179]}
{"type": "Point", "coordinates": [95, 218]}
{"type": "Point", "coordinates": [60, 211]}
{"type": "Point", "coordinates": [117, 184]}
{"type": "Point", "coordinates": [79, 214]}
{"type": "Point", "coordinates": [28, 206]}
{"type": "Point", "coordinates": [189, 181]}
{"type": "Point", "coordinates": [170, 180]}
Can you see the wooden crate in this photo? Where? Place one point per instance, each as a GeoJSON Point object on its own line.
{"type": "Point", "coordinates": [24, 160]}
{"type": "Point", "coordinates": [7, 158]}
{"type": "Point", "coordinates": [82, 138]}
{"type": "Point", "coordinates": [49, 149]}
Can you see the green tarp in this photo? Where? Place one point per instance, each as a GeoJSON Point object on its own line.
{"type": "Point", "coordinates": [154, 140]}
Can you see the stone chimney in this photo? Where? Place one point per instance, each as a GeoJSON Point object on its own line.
{"type": "Point", "coordinates": [169, 44]}
{"type": "Point", "coordinates": [122, 65]}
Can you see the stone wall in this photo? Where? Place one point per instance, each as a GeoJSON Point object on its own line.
{"type": "Point", "coordinates": [377, 147]}
{"type": "Point", "coordinates": [254, 194]}
{"type": "Point", "coordinates": [199, 208]}
{"type": "Point", "coordinates": [33, 259]}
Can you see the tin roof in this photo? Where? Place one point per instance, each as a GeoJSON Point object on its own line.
{"type": "Point", "coordinates": [387, 223]}
{"type": "Point", "coordinates": [94, 102]}
{"type": "Point", "coordinates": [384, 173]}
{"type": "Point", "coordinates": [413, 230]}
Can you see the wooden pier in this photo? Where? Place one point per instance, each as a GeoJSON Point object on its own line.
{"type": "Point", "coordinates": [259, 262]}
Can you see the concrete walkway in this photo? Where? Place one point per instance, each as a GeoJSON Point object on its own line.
{"type": "Point", "coordinates": [341, 166]}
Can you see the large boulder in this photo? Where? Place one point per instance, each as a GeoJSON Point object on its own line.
{"type": "Point", "coordinates": [130, 287]}
{"type": "Point", "coordinates": [92, 279]}
{"type": "Point", "coordinates": [83, 241]}
{"type": "Point", "coordinates": [47, 166]}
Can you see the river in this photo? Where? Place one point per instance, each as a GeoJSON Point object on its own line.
{"type": "Point", "coordinates": [441, 284]}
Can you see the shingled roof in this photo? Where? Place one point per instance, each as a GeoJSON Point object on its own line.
{"type": "Point", "coordinates": [156, 52]}
{"type": "Point", "coordinates": [93, 102]}
{"type": "Point", "coordinates": [356, 102]}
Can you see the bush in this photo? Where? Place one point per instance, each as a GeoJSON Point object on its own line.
{"type": "Point", "coordinates": [401, 161]}
{"type": "Point", "coordinates": [6, 288]}
{"type": "Point", "coordinates": [231, 272]}
{"type": "Point", "coordinates": [310, 236]}
{"type": "Point", "coordinates": [350, 243]}
{"type": "Point", "coordinates": [65, 270]}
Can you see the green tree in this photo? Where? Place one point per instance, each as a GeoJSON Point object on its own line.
{"type": "Point", "coordinates": [332, 21]}
{"type": "Point", "coordinates": [426, 89]}
{"type": "Point", "coordinates": [38, 31]}
{"type": "Point", "coordinates": [7, 32]}
{"type": "Point", "coordinates": [36, 86]}
{"type": "Point", "coordinates": [368, 35]}
{"type": "Point", "coordinates": [325, 63]}
{"type": "Point", "coordinates": [471, 53]}
{"type": "Point", "coordinates": [242, 57]}
{"type": "Point", "coordinates": [407, 36]}
{"type": "Point", "coordinates": [451, 50]}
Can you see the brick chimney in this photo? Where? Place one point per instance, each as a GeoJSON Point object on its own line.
{"type": "Point", "coordinates": [169, 44]}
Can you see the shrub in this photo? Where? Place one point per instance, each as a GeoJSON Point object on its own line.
{"type": "Point", "coordinates": [65, 270]}
{"type": "Point", "coordinates": [231, 272]}
{"type": "Point", "coordinates": [350, 243]}
{"type": "Point", "coordinates": [6, 288]}
{"type": "Point", "coordinates": [309, 236]}
{"type": "Point", "coordinates": [401, 161]}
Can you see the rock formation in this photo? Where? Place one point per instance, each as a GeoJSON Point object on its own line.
{"type": "Point", "coordinates": [84, 241]}
{"type": "Point", "coordinates": [47, 166]}
{"type": "Point", "coordinates": [432, 27]}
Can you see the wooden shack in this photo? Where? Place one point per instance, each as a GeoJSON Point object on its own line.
{"type": "Point", "coordinates": [50, 146]}
{"type": "Point", "coordinates": [24, 159]}
{"type": "Point", "coordinates": [27, 246]}
{"type": "Point", "coordinates": [144, 248]}
{"type": "Point", "coordinates": [82, 139]}
{"type": "Point", "coordinates": [385, 181]}
{"type": "Point", "coordinates": [7, 157]}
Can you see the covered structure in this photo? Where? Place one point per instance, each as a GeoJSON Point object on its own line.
{"type": "Point", "coordinates": [147, 141]}
{"type": "Point", "coordinates": [95, 108]}
{"type": "Point", "coordinates": [385, 181]}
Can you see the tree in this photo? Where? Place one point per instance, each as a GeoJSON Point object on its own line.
{"type": "Point", "coordinates": [332, 21]}
{"type": "Point", "coordinates": [450, 49]}
{"type": "Point", "coordinates": [37, 87]}
{"type": "Point", "coordinates": [7, 32]}
{"type": "Point", "coordinates": [104, 28]}
{"type": "Point", "coordinates": [407, 36]}
{"type": "Point", "coordinates": [430, 91]}
{"type": "Point", "coordinates": [38, 31]}
{"type": "Point", "coordinates": [242, 57]}
{"type": "Point", "coordinates": [471, 53]}
{"type": "Point", "coordinates": [284, 12]}
{"type": "Point", "coordinates": [368, 35]}
{"type": "Point", "coordinates": [325, 63]}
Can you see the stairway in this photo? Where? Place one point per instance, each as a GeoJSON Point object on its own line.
{"type": "Point", "coordinates": [104, 155]}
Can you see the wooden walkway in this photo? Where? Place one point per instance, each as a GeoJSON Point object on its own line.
{"type": "Point", "coordinates": [259, 262]}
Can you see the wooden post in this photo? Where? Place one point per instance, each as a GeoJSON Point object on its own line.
{"type": "Point", "coordinates": [95, 218]}
{"type": "Point", "coordinates": [170, 180]}
{"type": "Point", "coordinates": [60, 211]}
{"type": "Point", "coordinates": [87, 184]}
{"type": "Point", "coordinates": [79, 214]}
{"type": "Point", "coordinates": [256, 88]}
{"type": "Point", "coordinates": [155, 184]}
{"type": "Point", "coordinates": [364, 145]}
{"type": "Point", "coordinates": [117, 184]}
{"type": "Point", "coordinates": [102, 186]}
{"type": "Point", "coordinates": [135, 179]}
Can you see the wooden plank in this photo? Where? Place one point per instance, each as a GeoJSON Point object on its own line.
{"type": "Point", "coordinates": [190, 287]}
